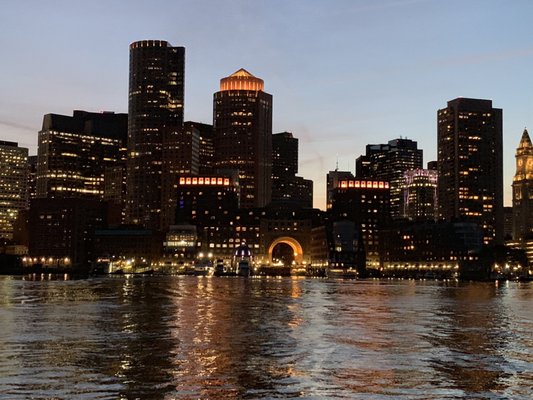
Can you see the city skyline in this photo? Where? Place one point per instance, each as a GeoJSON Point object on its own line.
{"type": "Point", "coordinates": [356, 72]}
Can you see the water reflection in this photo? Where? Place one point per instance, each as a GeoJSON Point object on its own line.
{"type": "Point", "coordinates": [222, 338]}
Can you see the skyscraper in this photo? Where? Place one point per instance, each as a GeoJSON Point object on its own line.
{"type": "Point", "coordinates": [333, 179]}
{"type": "Point", "coordinates": [13, 185]}
{"type": "Point", "coordinates": [470, 165]}
{"type": "Point", "coordinates": [420, 194]}
{"type": "Point", "coordinates": [206, 148]}
{"type": "Point", "coordinates": [74, 152]}
{"type": "Point", "coordinates": [523, 191]}
{"type": "Point", "coordinates": [389, 162]}
{"type": "Point", "coordinates": [366, 203]}
{"type": "Point", "coordinates": [155, 118]}
{"type": "Point", "coordinates": [243, 135]}
{"type": "Point", "coordinates": [287, 188]}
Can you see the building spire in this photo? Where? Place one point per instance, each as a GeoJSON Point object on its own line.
{"type": "Point", "coordinates": [525, 142]}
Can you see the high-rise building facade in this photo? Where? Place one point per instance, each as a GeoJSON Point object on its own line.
{"type": "Point", "coordinates": [155, 119]}
{"type": "Point", "coordinates": [470, 165]}
{"type": "Point", "coordinates": [206, 146]}
{"type": "Point", "coordinates": [284, 154]}
{"type": "Point", "coordinates": [242, 119]}
{"type": "Point", "coordinates": [389, 162]}
{"type": "Point", "coordinates": [287, 188]}
{"type": "Point", "coordinates": [523, 191]}
{"type": "Point", "coordinates": [332, 182]}
{"type": "Point", "coordinates": [74, 152]}
{"type": "Point", "coordinates": [181, 155]}
{"type": "Point", "coordinates": [210, 204]}
{"type": "Point", "coordinates": [366, 203]}
{"type": "Point", "coordinates": [420, 195]}
{"type": "Point", "coordinates": [13, 185]}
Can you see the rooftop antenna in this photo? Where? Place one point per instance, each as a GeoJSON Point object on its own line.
{"type": "Point", "coordinates": [337, 164]}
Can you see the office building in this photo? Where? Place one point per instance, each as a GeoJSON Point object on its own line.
{"type": "Point", "coordinates": [389, 162]}
{"type": "Point", "coordinates": [13, 185]}
{"type": "Point", "coordinates": [243, 135]}
{"type": "Point", "coordinates": [155, 120]}
{"type": "Point", "coordinates": [206, 146]}
{"type": "Point", "coordinates": [470, 167]}
{"type": "Point", "coordinates": [367, 204]}
{"type": "Point", "coordinates": [287, 188]}
{"type": "Point", "coordinates": [210, 204]}
{"type": "Point", "coordinates": [429, 249]}
{"type": "Point", "coordinates": [420, 195]}
{"type": "Point", "coordinates": [62, 231]}
{"type": "Point", "coordinates": [74, 152]}
{"type": "Point", "coordinates": [332, 182]}
{"type": "Point", "coordinates": [180, 156]}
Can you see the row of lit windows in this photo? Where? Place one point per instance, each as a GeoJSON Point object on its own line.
{"type": "Point", "coordinates": [363, 184]}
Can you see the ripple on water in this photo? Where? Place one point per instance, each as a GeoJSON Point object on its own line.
{"type": "Point", "coordinates": [187, 337]}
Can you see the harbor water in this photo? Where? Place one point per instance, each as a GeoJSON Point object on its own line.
{"type": "Point", "coordinates": [185, 337]}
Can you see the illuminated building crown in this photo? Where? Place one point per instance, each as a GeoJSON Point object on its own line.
{"type": "Point", "coordinates": [241, 80]}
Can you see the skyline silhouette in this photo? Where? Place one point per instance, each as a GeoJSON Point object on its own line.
{"type": "Point", "coordinates": [342, 74]}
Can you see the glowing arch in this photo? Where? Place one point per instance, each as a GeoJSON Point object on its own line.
{"type": "Point", "coordinates": [295, 245]}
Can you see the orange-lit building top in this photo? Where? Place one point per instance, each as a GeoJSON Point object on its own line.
{"type": "Point", "coordinates": [241, 80]}
{"type": "Point", "coordinates": [366, 184]}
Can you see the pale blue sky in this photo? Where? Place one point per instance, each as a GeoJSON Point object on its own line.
{"type": "Point", "coordinates": [343, 73]}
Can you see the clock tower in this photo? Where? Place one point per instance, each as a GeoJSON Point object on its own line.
{"type": "Point", "coordinates": [523, 191]}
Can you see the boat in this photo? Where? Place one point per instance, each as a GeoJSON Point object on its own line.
{"type": "Point", "coordinates": [341, 273]}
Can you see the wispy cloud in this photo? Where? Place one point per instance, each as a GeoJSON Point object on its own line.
{"type": "Point", "coordinates": [18, 126]}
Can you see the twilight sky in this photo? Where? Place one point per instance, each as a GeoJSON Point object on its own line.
{"type": "Point", "coordinates": [342, 73]}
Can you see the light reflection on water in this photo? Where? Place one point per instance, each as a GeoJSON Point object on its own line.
{"type": "Point", "coordinates": [222, 338]}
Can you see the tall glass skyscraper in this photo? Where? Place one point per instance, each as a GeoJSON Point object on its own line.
{"type": "Point", "coordinates": [243, 135]}
{"type": "Point", "coordinates": [470, 165]}
{"type": "Point", "coordinates": [155, 118]}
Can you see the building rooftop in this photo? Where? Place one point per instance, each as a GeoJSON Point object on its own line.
{"type": "Point", "coordinates": [241, 80]}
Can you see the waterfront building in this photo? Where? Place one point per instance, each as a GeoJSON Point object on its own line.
{"type": "Point", "coordinates": [346, 249]}
{"type": "Point", "coordinates": [287, 188]}
{"type": "Point", "coordinates": [388, 162]}
{"type": "Point", "coordinates": [332, 181]}
{"type": "Point", "coordinates": [523, 196]}
{"type": "Point", "coordinates": [210, 204]}
{"type": "Point", "coordinates": [155, 120]}
{"type": "Point", "coordinates": [430, 249]}
{"type": "Point", "coordinates": [127, 244]}
{"type": "Point", "coordinates": [13, 185]}
{"type": "Point", "coordinates": [62, 231]}
{"type": "Point", "coordinates": [470, 166]}
{"type": "Point", "coordinates": [74, 152]}
{"type": "Point", "coordinates": [366, 203]}
{"type": "Point", "coordinates": [180, 242]}
{"type": "Point", "coordinates": [420, 194]}
{"type": "Point", "coordinates": [242, 119]}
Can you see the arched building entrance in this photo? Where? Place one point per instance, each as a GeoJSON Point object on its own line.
{"type": "Point", "coordinates": [276, 248]}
